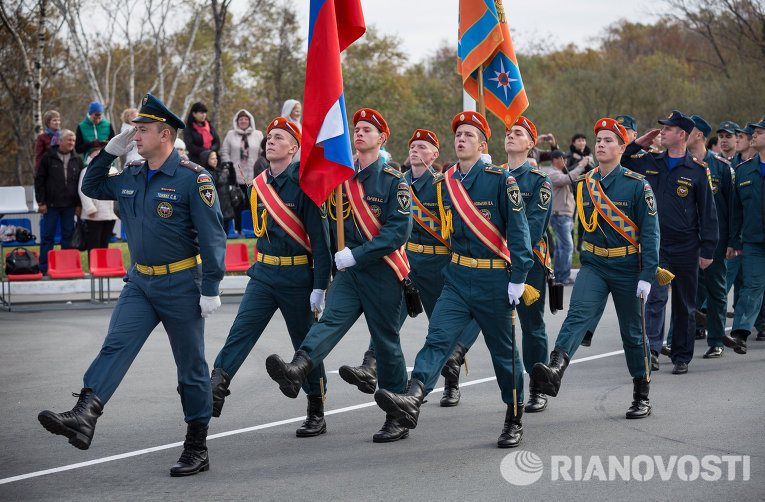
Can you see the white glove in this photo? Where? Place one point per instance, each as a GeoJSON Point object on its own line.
{"type": "Point", "coordinates": [344, 259]}
{"type": "Point", "coordinates": [317, 298]}
{"type": "Point", "coordinates": [486, 158]}
{"type": "Point", "coordinates": [209, 304]}
{"type": "Point", "coordinates": [514, 293]}
{"type": "Point", "coordinates": [643, 288]}
{"type": "Point", "coordinates": [121, 143]}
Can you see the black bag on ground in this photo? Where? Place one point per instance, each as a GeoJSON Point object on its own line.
{"type": "Point", "coordinates": [412, 298]}
{"type": "Point", "coordinates": [21, 261]}
{"type": "Point", "coordinates": [79, 240]}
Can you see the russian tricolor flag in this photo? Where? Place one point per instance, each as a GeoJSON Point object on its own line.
{"type": "Point", "coordinates": [326, 159]}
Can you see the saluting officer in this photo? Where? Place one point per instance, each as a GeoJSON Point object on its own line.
{"type": "Point", "coordinates": [620, 255]}
{"type": "Point", "coordinates": [688, 231]}
{"type": "Point", "coordinates": [748, 222]}
{"type": "Point", "coordinates": [488, 232]}
{"type": "Point", "coordinates": [428, 252]}
{"type": "Point", "coordinates": [173, 222]}
{"type": "Point", "coordinates": [371, 268]}
{"type": "Point", "coordinates": [291, 270]}
{"type": "Point", "coordinates": [536, 190]}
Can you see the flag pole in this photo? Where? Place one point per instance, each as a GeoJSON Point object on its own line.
{"type": "Point", "coordinates": [481, 98]}
{"type": "Point", "coordinates": [339, 216]}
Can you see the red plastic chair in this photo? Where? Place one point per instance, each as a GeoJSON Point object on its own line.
{"type": "Point", "coordinates": [104, 263]}
{"type": "Point", "coordinates": [237, 259]}
{"type": "Point", "coordinates": [65, 264]}
{"type": "Point", "coordinates": [17, 277]}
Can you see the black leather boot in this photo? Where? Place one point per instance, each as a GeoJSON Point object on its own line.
{"type": "Point", "coordinates": [289, 376]}
{"type": "Point", "coordinates": [79, 424]}
{"type": "Point", "coordinates": [537, 401]}
{"type": "Point", "coordinates": [194, 458]}
{"type": "Point", "coordinates": [547, 378]}
{"type": "Point", "coordinates": [219, 382]}
{"type": "Point", "coordinates": [314, 424]}
{"type": "Point", "coordinates": [390, 431]}
{"type": "Point", "coordinates": [365, 376]}
{"type": "Point", "coordinates": [405, 408]}
{"type": "Point", "coordinates": [641, 406]}
{"type": "Point", "coordinates": [451, 396]}
{"type": "Point", "coordinates": [736, 340]}
{"type": "Point", "coordinates": [512, 432]}
{"type": "Point", "coordinates": [654, 360]}
{"type": "Point", "coordinates": [451, 369]}
{"type": "Point", "coordinates": [587, 340]}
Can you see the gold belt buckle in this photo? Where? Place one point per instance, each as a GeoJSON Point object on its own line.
{"type": "Point", "coordinates": [149, 270]}
{"type": "Point", "coordinates": [277, 260]}
{"type": "Point", "coordinates": [473, 263]}
{"type": "Point", "coordinates": [420, 248]}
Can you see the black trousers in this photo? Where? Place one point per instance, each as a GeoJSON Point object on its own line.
{"type": "Point", "coordinates": [98, 233]}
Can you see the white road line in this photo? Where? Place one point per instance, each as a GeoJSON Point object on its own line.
{"type": "Point", "coordinates": [246, 429]}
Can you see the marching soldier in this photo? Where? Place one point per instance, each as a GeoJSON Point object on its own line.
{"type": "Point", "coordinates": [711, 288]}
{"type": "Point", "coordinates": [173, 222]}
{"type": "Point", "coordinates": [428, 252]}
{"type": "Point", "coordinates": [620, 255]}
{"type": "Point", "coordinates": [744, 152]}
{"type": "Point", "coordinates": [749, 238]}
{"type": "Point", "coordinates": [688, 231]}
{"type": "Point", "coordinates": [536, 190]}
{"type": "Point", "coordinates": [371, 269]}
{"type": "Point", "coordinates": [291, 270]}
{"type": "Point", "coordinates": [488, 232]}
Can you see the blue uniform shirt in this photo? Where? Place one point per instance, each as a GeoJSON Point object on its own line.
{"type": "Point", "coordinates": [176, 215]}
{"type": "Point", "coordinates": [687, 215]}
{"type": "Point", "coordinates": [748, 220]}
{"type": "Point", "coordinates": [721, 176]}
{"type": "Point", "coordinates": [276, 242]}
{"type": "Point", "coordinates": [493, 192]}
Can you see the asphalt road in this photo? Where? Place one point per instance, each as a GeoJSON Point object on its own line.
{"type": "Point", "coordinates": [703, 441]}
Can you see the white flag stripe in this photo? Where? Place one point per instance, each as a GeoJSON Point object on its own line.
{"type": "Point", "coordinates": [332, 125]}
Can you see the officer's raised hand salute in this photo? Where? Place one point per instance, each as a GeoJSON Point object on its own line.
{"type": "Point", "coordinates": [173, 223]}
{"type": "Point", "coordinates": [689, 230]}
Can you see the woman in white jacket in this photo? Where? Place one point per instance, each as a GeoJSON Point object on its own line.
{"type": "Point", "coordinates": [98, 214]}
{"type": "Point", "coordinates": [241, 147]}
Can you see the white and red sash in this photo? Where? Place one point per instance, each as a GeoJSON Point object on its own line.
{"type": "Point", "coordinates": [478, 223]}
{"type": "Point", "coordinates": [279, 211]}
{"type": "Point", "coordinates": [370, 225]}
